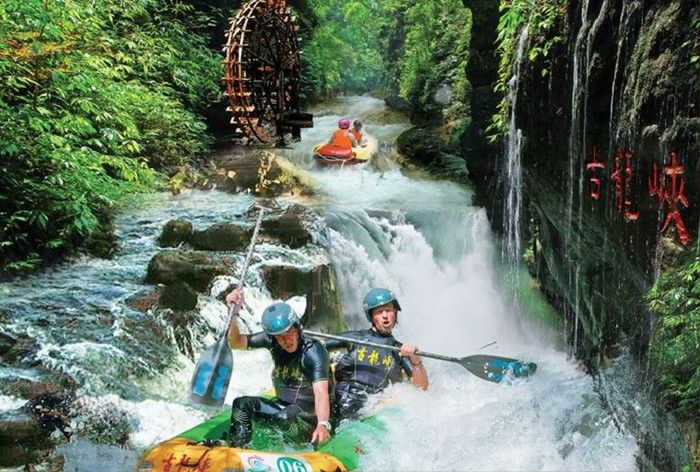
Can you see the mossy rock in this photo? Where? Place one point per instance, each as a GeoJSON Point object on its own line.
{"type": "Point", "coordinates": [288, 229]}
{"type": "Point", "coordinates": [425, 149]}
{"type": "Point", "coordinates": [195, 268]}
{"type": "Point", "coordinates": [178, 296]}
{"type": "Point", "coordinates": [175, 232]}
{"type": "Point", "coordinates": [284, 282]}
{"type": "Point", "coordinates": [222, 237]}
{"type": "Point", "coordinates": [262, 173]}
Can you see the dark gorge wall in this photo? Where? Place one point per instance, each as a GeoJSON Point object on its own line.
{"type": "Point", "coordinates": [482, 71]}
{"type": "Point", "coordinates": [610, 157]}
{"type": "Point", "coordinates": [622, 85]}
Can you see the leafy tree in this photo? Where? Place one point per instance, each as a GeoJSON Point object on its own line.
{"type": "Point", "coordinates": [435, 53]}
{"type": "Point", "coordinates": [675, 346]}
{"type": "Point", "coordinates": [97, 97]}
{"type": "Point", "coordinates": [341, 52]}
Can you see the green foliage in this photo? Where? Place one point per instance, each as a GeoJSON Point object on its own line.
{"type": "Point", "coordinates": [436, 53]}
{"type": "Point", "coordinates": [97, 96]}
{"type": "Point", "coordinates": [675, 347]}
{"type": "Point", "coordinates": [407, 49]}
{"type": "Point", "coordinates": [541, 17]}
{"type": "Point", "coordinates": [342, 52]}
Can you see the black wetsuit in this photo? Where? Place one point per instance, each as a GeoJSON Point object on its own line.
{"type": "Point", "coordinates": [364, 370]}
{"type": "Point", "coordinates": [293, 379]}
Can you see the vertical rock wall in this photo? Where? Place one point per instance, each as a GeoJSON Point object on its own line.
{"type": "Point", "coordinates": [621, 81]}
{"type": "Point", "coordinates": [624, 81]}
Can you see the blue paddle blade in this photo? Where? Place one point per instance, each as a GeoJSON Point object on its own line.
{"type": "Point", "coordinates": [496, 368]}
{"type": "Point", "coordinates": [212, 375]}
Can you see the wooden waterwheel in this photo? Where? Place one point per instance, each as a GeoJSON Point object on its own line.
{"type": "Point", "coordinates": [262, 72]}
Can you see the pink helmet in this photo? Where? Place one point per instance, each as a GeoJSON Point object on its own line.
{"type": "Point", "coordinates": [343, 123]}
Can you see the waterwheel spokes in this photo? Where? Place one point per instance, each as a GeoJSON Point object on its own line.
{"type": "Point", "coordinates": [262, 69]}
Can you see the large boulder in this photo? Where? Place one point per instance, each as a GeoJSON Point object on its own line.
{"type": "Point", "coordinates": [6, 343]}
{"type": "Point", "coordinates": [22, 442]}
{"type": "Point", "coordinates": [288, 229]}
{"type": "Point", "coordinates": [420, 145]}
{"type": "Point", "coordinates": [53, 384]}
{"type": "Point", "coordinates": [261, 173]}
{"type": "Point", "coordinates": [144, 300]}
{"type": "Point", "coordinates": [285, 282]}
{"type": "Point", "coordinates": [424, 148]}
{"type": "Point", "coordinates": [237, 172]}
{"type": "Point", "coordinates": [323, 309]}
{"type": "Point", "coordinates": [222, 237]}
{"type": "Point", "coordinates": [197, 269]}
{"type": "Point", "coordinates": [175, 232]}
{"type": "Point", "coordinates": [26, 434]}
{"type": "Point", "coordinates": [18, 349]}
{"type": "Point", "coordinates": [188, 329]}
{"type": "Point", "coordinates": [397, 103]}
{"type": "Point", "coordinates": [52, 411]}
{"type": "Point", "coordinates": [178, 296]}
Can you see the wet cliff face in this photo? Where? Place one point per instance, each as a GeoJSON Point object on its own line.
{"type": "Point", "coordinates": [482, 71]}
{"type": "Point", "coordinates": [623, 83]}
{"type": "Point", "coordinates": [609, 160]}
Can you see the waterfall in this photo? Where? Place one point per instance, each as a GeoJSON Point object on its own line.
{"type": "Point", "coordinates": [628, 10]}
{"type": "Point", "coordinates": [575, 149]}
{"type": "Point", "coordinates": [513, 203]}
{"type": "Point", "coordinates": [583, 51]}
{"type": "Point", "coordinates": [546, 425]}
{"type": "Point", "coordinates": [574, 133]}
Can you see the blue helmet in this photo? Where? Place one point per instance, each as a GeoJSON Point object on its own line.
{"type": "Point", "coordinates": [378, 297]}
{"type": "Point", "coordinates": [278, 318]}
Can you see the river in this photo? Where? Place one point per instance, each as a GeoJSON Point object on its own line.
{"type": "Point", "coordinates": [384, 225]}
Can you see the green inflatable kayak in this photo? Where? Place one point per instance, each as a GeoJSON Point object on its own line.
{"type": "Point", "coordinates": [202, 449]}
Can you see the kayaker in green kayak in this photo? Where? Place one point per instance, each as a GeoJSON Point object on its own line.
{"type": "Point", "coordinates": [364, 371]}
{"type": "Point", "coordinates": [301, 377]}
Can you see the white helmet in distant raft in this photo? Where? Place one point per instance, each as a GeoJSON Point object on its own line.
{"type": "Point", "coordinates": [378, 297]}
{"type": "Point", "coordinates": [278, 318]}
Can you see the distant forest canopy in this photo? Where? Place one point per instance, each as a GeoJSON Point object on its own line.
{"type": "Point", "coordinates": [102, 99]}
{"type": "Point", "coordinates": [409, 49]}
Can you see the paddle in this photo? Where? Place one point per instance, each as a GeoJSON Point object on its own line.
{"type": "Point", "coordinates": [213, 371]}
{"type": "Point", "coordinates": [491, 368]}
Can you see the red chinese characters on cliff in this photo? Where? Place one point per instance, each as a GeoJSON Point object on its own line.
{"type": "Point", "coordinates": [671, 193]}
{"type": "Point", "coordinates": [622, 179]}
{"type": "Point", "coordinates": [667, 185]}
{"type": "Point", "coordinates": [594, 181]}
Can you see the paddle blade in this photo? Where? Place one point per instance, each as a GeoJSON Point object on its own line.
{"type": "Point", "coordinates": [495, 368]}
{"type": "Point", "coordinates": [212, 375]}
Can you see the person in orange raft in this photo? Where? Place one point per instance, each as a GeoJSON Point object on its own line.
{"type": "Point", "coordinates": [342, 137]}
{"type": "Point", "coordinates": [357, 132]}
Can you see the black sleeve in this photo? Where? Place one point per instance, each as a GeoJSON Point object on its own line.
{"type": "Point", "coordinates": [259, 340]}
{"type": "Point", "coordinates": [334, 344]}
{"type": "Point", "coordinates": [315, 363]}
{"type": "Point", "coordinates": [404, 362]}
{"type": "Point", "coordinates": [406, 366]}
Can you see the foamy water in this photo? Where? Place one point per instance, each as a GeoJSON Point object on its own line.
{"type": "Point", "coordinates": [424, 240]}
